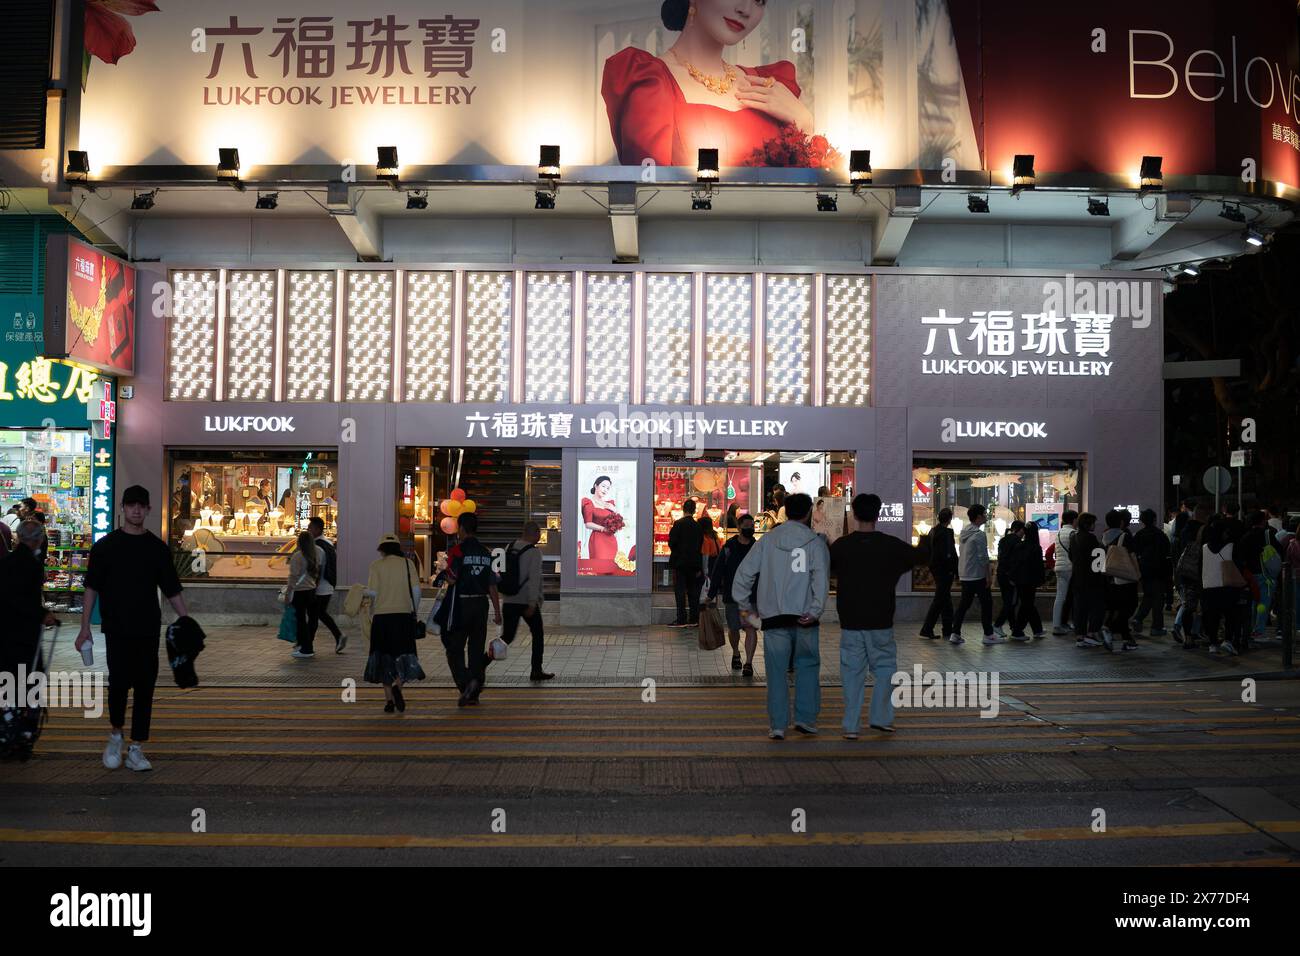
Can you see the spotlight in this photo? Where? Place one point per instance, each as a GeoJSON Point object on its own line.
{"type": "Point", "coordinates": [1191, 269]}
{"type": "Point", "coordinates": [268, 200]}
{"type": "Point", "coordinates": [1255, 238]}
{"type": "Point", "coordinates": [827, 202]}
{"type": "Point", "coordinates": [979, 204]}
{"type": "Point", "coordinates": [1232, 212]}
{"type": "Point", "coordinates": [706, 166]}
{"type": "Point", "coordinates": [78, 170]}
{"type": "Point", "coordinates": [1150, 176]}
{"type": "Point", "coordinates": [1098, 207]}
{"type": "Point", "coordinates": [1022, 172]}
{"type": "Point", "coordinates": [548, 165]}
{"type": "Point", "coordinates": [228, 167]}
{"type": "Point", "coordinates": [545, 199]}
{"type": "Point", "coordinates": [419, 199]}
{"type": "Point", "coordinates": [700, 202]}
{"type": "Point", "coordinates": [143, 201]}
{"type": "Point", "coordinates": [386, 168]}
{"type": "Point", "coordinates": [860, 168]}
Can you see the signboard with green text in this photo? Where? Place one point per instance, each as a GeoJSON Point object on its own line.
{"type": "Point", "coordinates": [32, 387]}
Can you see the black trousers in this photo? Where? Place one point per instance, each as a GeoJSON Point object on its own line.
{"type": "Point", "coordinates": [466, 641]}
{"type": "Point", "coordinates": [970, 590]}
{"type": "Point", "coordinates": [511, 615]}
{"type": "Point", "coordinates": [320, 614]}
{"type": "Point", "coordinates": [1089, 605]}
{"type": "Point", "coordinates": [1007, 614]}
{"type": "Point", "coordinates": [132, 666]}
{"type": "Point", "coordinates": [1153, 600]}
{"type": "Point", "coordinates": [686, 587]}
{"type": "Point", "coordinates": [1221, 605]}
{"type": "Point", "coordinates": [303, 602]}
{"type": "Point", "coordinates": [1121, 601]}
{"type": "Point", "coordinates": [940, 605]}
{"type": "Point", "coordinates": [1027, 612]}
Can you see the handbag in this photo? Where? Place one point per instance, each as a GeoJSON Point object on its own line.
{"type": "Point", "coordinates": [1232, 575]}
{"type": "Point", "coordinates": [288, 625]}
{"type": "Point", "coordinates": [420, 629]}
{"type": "Point", "coordinates": [1120, 564]}
{"type": "Point", "coordinates": [434, 622]}
{"type": "Point", "coordinates": [712, 634]}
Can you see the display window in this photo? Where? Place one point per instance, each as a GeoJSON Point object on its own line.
{"type": "Point", "coordinates": [52, 466]}
{"type": "Point", "coordinates": [235, 515]}
{"type": "Point", "coordinates": [1038, 490]}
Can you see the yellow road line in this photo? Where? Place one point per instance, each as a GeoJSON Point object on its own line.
{"type": "Point", "coordinates": [623, 841]}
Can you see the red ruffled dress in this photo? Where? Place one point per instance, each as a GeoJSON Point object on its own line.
{"type": "Point", "coordinates": [650, 118]}
{"type": "Point", "coordinates": [602, 546]}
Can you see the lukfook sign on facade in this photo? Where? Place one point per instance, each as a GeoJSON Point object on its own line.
{"type": "Point", "coordinates": [622, 429]}
{"type": "Point", "coordinates": [248, 423]}
{"type": "Point", "coordinates": [952, 429]}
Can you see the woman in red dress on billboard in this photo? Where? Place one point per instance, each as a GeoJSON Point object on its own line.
{"type": "Point", "coordinates": [599, 515]}
{"type": "Point", "coordinates": [666, 108]}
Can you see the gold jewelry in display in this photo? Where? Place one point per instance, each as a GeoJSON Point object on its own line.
{"type": "Point", "coordinates": [714, 85]}
{"type": "Point", "coordinates": [88, 318]}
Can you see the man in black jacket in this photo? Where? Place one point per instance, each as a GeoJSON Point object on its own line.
{"type": "Point", "coordinates": [1008, 552]}
{"type": "Point", "coordinates": [724, 575]}
{"type": "Point", "coordinates": [1186, 623]}
{"type": "Point", "coordinates": [1153, 562]}
{"type": "Point", "coordinates": [684, 543]}
{"type": "Point", "coordinates": [943, 568]}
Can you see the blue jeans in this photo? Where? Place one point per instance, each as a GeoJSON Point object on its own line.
{"type": "Point", "coordinates": [777, 645]}
{"type": "Point", "coordinates": [858, 650]}
{"type": "Point", "coordinates": [1260, 609]}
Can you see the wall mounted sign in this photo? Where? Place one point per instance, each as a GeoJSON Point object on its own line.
{"type": "Point", "coordinates": [89, 306]}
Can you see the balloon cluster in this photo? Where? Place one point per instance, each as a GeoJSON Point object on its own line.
{"type": "Point", "coordinates": [455, 506]}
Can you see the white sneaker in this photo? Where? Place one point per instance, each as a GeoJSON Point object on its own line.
{"type": "Point", "coordinates": [301, 656]}
{"type": "Point", "coordinates": [1000, 631]}
{"type": "Point", "coordinates": [994, 638]}
{"type": "Point", "coordinates": [775, 734]}
{"type": "Point", "coordinates": [956, 639]}
{"type": "Point", "coordinates": [135, 759]}
{"type": "Point", "coordinates": [113, 752]}
{"type": "Point", "coordinates": [1021, 637]}
{"type": "Point", "coordinates": [808, 729]}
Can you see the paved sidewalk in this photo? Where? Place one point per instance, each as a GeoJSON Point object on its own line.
{"type": "Point", "coordinates": [253, 656]}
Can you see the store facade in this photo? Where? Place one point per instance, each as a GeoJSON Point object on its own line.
{"type": "Point", "coordinates": [595, 400]}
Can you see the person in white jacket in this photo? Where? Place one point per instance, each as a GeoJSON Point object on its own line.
{"type": "Point", "coordinates": [1064, 570]}
{"type": "Point", "coordinates": [792, 565]}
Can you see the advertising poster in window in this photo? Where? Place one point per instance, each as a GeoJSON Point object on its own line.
{"type": "Point", "coordinates": [607, 497]}
{"type": "Point", "coordinates": [802, 477]}
{"type": "Point", "coordinates": [828, 517]}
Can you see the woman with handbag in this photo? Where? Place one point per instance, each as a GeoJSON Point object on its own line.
{"type": "Point", "coordinates": [1122, 576]}
{"type": "Point", "coordinates": [393, 587]}
{"type": "Point", "coordinates": [1222, 584]}
{"type": "Point", "coordinates": [304, 574]}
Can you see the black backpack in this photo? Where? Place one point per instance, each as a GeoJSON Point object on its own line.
{"type": "Point", "coordinates": [509, 583]}
{"type": "Point", "coordinates": [330, 572]}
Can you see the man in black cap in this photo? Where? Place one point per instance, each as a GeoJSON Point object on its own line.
{"type": "Point", "coordinates": [127, 568]}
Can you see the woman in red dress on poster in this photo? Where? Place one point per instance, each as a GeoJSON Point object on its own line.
{"type": "Point", "coordinates": [666, 108]}
{"type": "Point", "coordinates": [598, 513]}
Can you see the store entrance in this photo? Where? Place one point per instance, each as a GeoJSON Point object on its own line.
{"type": "Point", "coordinates": [508, 486]}
{"type": "Point", "coordinates": [727, 484]}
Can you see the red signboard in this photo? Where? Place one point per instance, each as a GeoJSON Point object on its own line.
{"type": "Point", "coordinates": [89, 307]}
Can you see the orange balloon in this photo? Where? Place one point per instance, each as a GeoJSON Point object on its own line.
{"type": "Point", "coordinates": [458, 494]}
{"type": "Point", "coordinates": [468, 506]}
{"type": "Point", "coordinates": [448, 526]}
{"type": "Point", "coordinates": [451, 507]}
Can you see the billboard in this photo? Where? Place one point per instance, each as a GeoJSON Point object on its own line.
{"type": "Point", "coordinates": [928, 84]}
{"type": "Point", "coordinates": [89, 307]}
{"type": "Point", "coordinates": [607, 500]}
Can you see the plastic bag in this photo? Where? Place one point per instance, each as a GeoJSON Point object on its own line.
{"type": "Point", "coordinates": [289, 625]}
{"type": "Point", "coordinates": [712, 632]}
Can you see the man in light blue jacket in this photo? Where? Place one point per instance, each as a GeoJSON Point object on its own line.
{"type": "Point", "coordinates": [792, 565]}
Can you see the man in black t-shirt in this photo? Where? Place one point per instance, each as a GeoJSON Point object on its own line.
{"type": "Point", "coordinates": [469, 568]}
{"type": "Point", "coordinates": [126, 570]}
{"type": "Point", "coordinates": [866, 565]}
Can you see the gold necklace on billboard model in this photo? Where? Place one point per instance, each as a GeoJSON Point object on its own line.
{"type": "Point", "coordinates": [711, 83]}
{"type": "Point", "coordinates": [88, 318]}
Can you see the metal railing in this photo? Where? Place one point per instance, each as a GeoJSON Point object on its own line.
{"type": "Point", "coordinates": [1286, 613]}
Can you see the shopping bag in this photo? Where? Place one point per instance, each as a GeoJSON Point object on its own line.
{"type": "Point", "coordinates": [712, 633]}
{"type": "Point", "coordinates": [1232, 577]}
{"type": "Point", "coordinates": [289, 625]}
{"type": "Point", "coordinates": [1120, 563]}
{"type": "Point", "coordinates": [433, 624]}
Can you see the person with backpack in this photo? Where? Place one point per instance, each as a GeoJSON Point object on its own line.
{"type": "Point", "coordinates": [329, 579]}
{"type": "Point", "coordinates": [1121, 589]}
{"type": "Point", "coordinates": [720, 581]}
{"type": "Point", "coordinates": [1089, 584]}
{"type": "Point", "coordinates": [943, 568]}
{"type": "Point", "coordinates": [1187, 577]}
{"type": "Point", "coordinates": [1262, 564]}
{"type": "Point", "coordinates": [1028, 576]}
{"type": "Point", "coordinates": [1153, 562]}
{"type": "Point", "coordinates": [1064, 571]}
{"type": "Point", "coordinates": [520, 588]}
